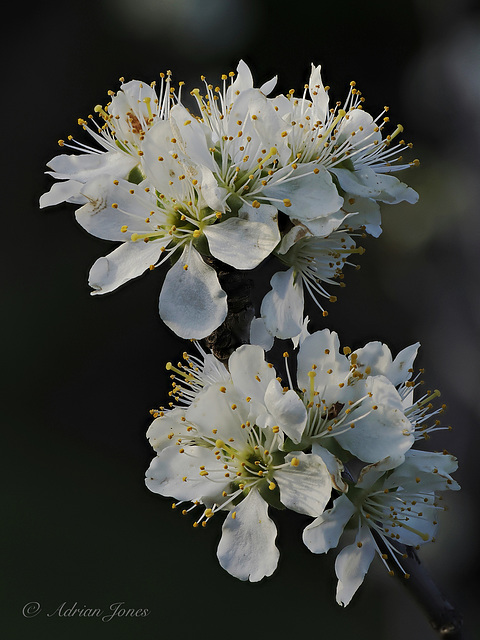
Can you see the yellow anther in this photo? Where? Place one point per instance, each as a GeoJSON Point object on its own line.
{"type": "Point", "coordinates": [295, 462]}
{"type": "Point", "coordinates": [275, 429]}
{"type": "Point", "coordinates": [124, 228]}
{"type": "Point", "coordinates": [272, 486]}
{"type": "Point", "coordinates": [287, 202]}
{"type": "Point", "coordinates": [208, 513]}
{"type": "Point", "coordinates": [234, 514]}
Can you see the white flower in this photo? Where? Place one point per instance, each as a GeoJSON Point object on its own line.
{"type": "Point", "coordinates": [348, 142]}
{"type": "Point", "coordinates": [376, 359]}
{"type": "Point", "coordinates": [244, 142]}
{"type": "Point", "coordinates": [313, 261]}
{"type": "Point", "coordinates": [223, 453]}
{"type": "Point", "coordinates": [172, 213]}
{"type": "Point", "coordinates": [124, 121]}
{"type": "Point", "coordinates": [383, 506]}
{"type": "Point", "coordinates": [362, 413]}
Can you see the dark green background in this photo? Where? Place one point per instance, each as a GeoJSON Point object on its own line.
{"type": "Point", "coordinates": [80, 373]}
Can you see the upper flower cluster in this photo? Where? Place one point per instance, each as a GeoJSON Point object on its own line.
{"type": "Point", "coordinates": [237, 440]}
{"type": "Point", "coordinates": [172, 185]}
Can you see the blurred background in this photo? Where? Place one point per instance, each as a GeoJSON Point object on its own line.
{"type": "Point", "coordinates": [80, 373]}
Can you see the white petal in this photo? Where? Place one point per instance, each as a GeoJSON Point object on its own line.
{"type": "Point", "coordinates": [84, 167]}
{"type": "Point", "coordinates": [282, 307]}
{"type": "Point", "coordinates": [431, 469]}
{"type": "Point", "coordinates": [287, 410]}
{"type": "Point", "coordinates": [320, 351]}
{"type": "Point", "coordinates": [311, 195]}
{"type": "Point", "coordinates": [212, 410]}
{"type": "Point", "coordinates": [259, 335]}
{"type": "Point", "coordinates": [334, 466]}
{"type": "Point", "coordinates": [324, 532]}
{"type": "Point", "coordinates": [241, 243]}
{"type": "Point", "coordinates": [169, 468]}
{"type": "Point", "coordinates": [363, 212]}
{"type": "Point", "coordinates": [247, 548]}
{"type": "Point", "coordinates": [214, 195]}
{"type": "Point", "coordinates": [192, 302]}
{"type": "Point", "coordinates": [385, 431]}
{"type": "Point", "coordinates": [269, 86]}
{"type": "Point", "coordinates": [61, 192]}
{"type": "Point", "coordinates": [242, 82]}
{"type": "Point", "coordinates": [318, 94]}
{"type": "Point", "coordinates": [161, 432]}
{"type": "Point", "coordinates": [127, 261]}
{"type": "Point", "coordinates": [112, 206]}
{"type": "Point", "coordinates": [399, 371]}
{"type": "Point", "coordinates": [372, 472]}
{"type": "Point", "coordinates": [250, 373]}
{"type": "Point", "coordinates": [306, 487]}
{"type": "Point", "coordinates": [192, 136]}
{"type": "Point", "coordinates": [352, 564]}
{"type": "Point", "coordinates": [364, 182]}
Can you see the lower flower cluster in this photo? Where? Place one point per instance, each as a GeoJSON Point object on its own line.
{"type": "Point", "coordinates": [337, 443]}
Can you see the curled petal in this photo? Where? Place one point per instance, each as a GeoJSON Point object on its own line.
{"type": "Point", "coordinates": [306, 486]}
{"type": "Point", "coordinates": [324, 532]}
{"type": "Point", "coordinates": [282, 307]}
{"type": "Point", "coordinates": [352, 564]}
{"type": "Point", "coordinates": [127, 261]}
{"type": "Point", "coordinates": [287, 410]}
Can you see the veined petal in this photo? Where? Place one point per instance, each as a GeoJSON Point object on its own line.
{"type": "Point", "coordinates": [352, 564]}
{"type": "Point", "coordinates": [112, 207]}
{"type": "Point", "coordinates": [192, 302]}
{"type": "Point", "coordinates": [282, 307]}
{"type": "Point", "coordinates": [247, 548]}
{"type": "Point", "coordinates": [243, 244]}
{"type": "Point", "coordinates": [385, 431]}
{"type": "Point", "coordinates": [306, 486]}
{"type": "Point", "coordinates": [324, 532]}
{"type": "Point", "coordinates": [177, 474]}
{"type": "Point", "coordinates": [310, 195]}
{"type": "Point", "coordinates": [127, 261]}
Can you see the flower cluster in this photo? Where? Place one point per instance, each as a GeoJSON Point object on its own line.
{"type": "Point", "coordinates": [218, 187]}
{"type": "Point", "coordinates": [236, 439]}
{"type": "Point", "coordinates": [239, 177]}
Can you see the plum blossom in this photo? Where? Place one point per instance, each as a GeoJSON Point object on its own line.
{"type": "Point", "coordinates": [223, 452]}
{"type": "Point", "coordinates": [118, 130]}
{"type": "Point", "coordinates": [362, 414]}
{"type": "Point", "coordinates": [383, 507]}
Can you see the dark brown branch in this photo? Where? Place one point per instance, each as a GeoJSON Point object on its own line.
{"type": "Point", "coordinates": [235, 330]}
{"type": "Point", "coordinates": [442, 615]}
